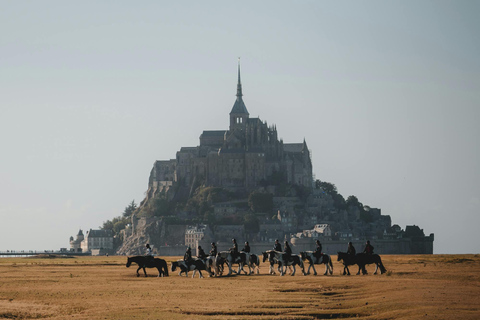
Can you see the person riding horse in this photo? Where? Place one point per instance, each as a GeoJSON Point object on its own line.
{"type": "Point", "coordinates": [234, 250]}
{"type": "Point", "coordinates": [287, 252]}
{"type": "Point", "coordinates": [351, 249]}
{"type": "Point", "coordinates": [201, 254]}
{"type": "Point", "coordinates": [148, 253]}
{"type": "Point", "coordinates": [187, 258]}
{"type": "Point", "coordinates": [277, 246]}
{"type": "Point", "coordinates": [368, 248]}
{"type": "Point", "coordinates": [318, 250]}
{"type": "Point", "coordinates": [246, 248]}
{"type": "Point", "coordinates": [213, 251]}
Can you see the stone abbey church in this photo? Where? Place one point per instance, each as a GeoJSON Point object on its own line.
{"type": "Point", "coordinates": [238, 159]}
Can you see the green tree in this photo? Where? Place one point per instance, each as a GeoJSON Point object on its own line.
{"type": "Point", "coordinates": [251, 223]}
{"type": "Point", "coordinates": [260, 202]}
{"type": "Point", "coordinates": [328, 187]}
{"type": "Point", "coordinates": [130, 209]}
{"type": "Point", "coordinates": [352, 201]}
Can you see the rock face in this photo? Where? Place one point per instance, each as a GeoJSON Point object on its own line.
{"type": "Point", "coordinates": [153, 231]}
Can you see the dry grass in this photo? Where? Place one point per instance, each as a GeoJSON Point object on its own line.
{"type": "Point", "coordinates": [415, 286]}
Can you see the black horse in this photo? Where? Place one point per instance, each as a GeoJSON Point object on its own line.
{"type": "Point", "coordinates": [148, 262]}
{"type": "Point", "coordinates": [361, 259]}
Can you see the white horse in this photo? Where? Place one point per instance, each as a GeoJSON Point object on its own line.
{"type": "Point", "coordinates": [226, 256]}
{"type": "Point", "coordinates": [312, 260]}
{"type": "Point", "coordinates": [279, 258]}
{"type": "Point", "coordinates": [252, 261]}
{"type": "Point", "coordinates": [197, 265]}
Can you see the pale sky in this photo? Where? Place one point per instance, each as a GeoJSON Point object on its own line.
{"type": "Point", "coordinates": [386, 94]}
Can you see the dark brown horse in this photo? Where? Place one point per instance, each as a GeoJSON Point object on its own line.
{"type": "Point", "coordinates": [361, 259]}
{"type": "Point", "coordinates": [149, 262]}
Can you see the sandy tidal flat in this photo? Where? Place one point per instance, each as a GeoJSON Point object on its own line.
{"type": "Point", "coordinates": [414, 287]}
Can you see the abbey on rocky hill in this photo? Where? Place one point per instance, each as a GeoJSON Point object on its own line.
{"type": "Point", "coordinates": [239, 159]}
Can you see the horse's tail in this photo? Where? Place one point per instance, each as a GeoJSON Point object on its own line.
{"type": "Point", "coordinates": [380, 264]}
{"type": "Point", "coordinates": [165, 269]}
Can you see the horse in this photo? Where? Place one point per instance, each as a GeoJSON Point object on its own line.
{"type": "Point", "coordinates": [323, 259]}
{"type": "Point", "coordinates": [360, 259]}
{"type": "Point", "coordinates": [196, 265]}
{"type": "Point", "coordinates": [209, 263]}
{"type": "Point", "coordinates": [279, 257]}
{"type": "Point", "coordinates": [226, 256]}
{"type": "Point", "coordinates": [268, 255]}
{"type": "Point", "coordinates": [252, 261]}
{"type": "Point", "coordinates": [365, 258]}
{"type": "Point", "coordinates": [148, 262]}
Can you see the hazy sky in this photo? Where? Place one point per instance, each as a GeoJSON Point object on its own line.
{"type": "Point", "coordinates": [386, 94]}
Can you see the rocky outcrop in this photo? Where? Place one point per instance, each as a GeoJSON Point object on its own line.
{"type": "Point", "coordinates": [154, 231]}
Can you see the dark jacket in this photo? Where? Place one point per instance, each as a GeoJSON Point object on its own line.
{"type": "Point", "coordinates": [277, 247]}
{"type": "Point", "coordinates": [201, 254]}
{"type": "Point", "coordinates": [213, 251]}
{"type": "Point", "coordinates": [234, 249]}
{"type": "Point", "coordinates": [246, 248]}
{"type": "Point", "coordinates": [187, 257]}
{"type": "Point", "coordinates": [368, 249]}
{"type": "Point", "coordinates": [351, 250]}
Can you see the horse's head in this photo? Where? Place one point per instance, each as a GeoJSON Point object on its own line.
{"type": "Point", "coordinates": [339, 256]}
{"type": "Point", "coordinates": [265, 256]}
{"type": "Point", "coordinates": [129, 262]}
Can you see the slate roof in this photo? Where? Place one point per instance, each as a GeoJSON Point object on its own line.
{"type": "Point", "coordinates": [239, 106]}
{"type": "Point", "coordinates": [213, 133]}
{"type": "Point", "coordinates": [293, 147]}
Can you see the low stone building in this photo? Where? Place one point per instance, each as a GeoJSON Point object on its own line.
{"type": "Point", "coordinates": [98, 239]}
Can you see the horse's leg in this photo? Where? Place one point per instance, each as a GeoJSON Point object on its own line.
{"type": "Point", "coordinates": [144, 271]}
{"type": "Point", "coordinates": [159, 272]}
{"type": "Point", "coordinates": [200, 272]}
{"type": "Point", "coordinates": [240, 268]}
{"type": "Point", "coordinates": [138, 274]}
{"type": "Point", "coordinates": [294, 270]}
{"type": "Point", "coordinates": [314, 270]}
{"type": "Point", "coordinates": [229, 268]}
{"type": "Point", "coordinates": [194, 272]}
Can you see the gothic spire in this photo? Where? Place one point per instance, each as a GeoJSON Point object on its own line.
{"type": "Point", "coordinates": [239, 106]}
{"type": "Point", "coordinates": [239, 84]}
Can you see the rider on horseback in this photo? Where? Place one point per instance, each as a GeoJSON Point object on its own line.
{"type": "Point", "coordinates": [148, 253]}
{"type": "Point", "coordinates": [234, 250]}
{"type": "Point", "coordinates": [318, 250]}
{"type": "Point", "coordinates": [201, 254]}
{"type": "Point", "coordinates": [277, 246]}
{"type": "Point", "coordinates": [351, 249]}
{"type": "Point", "coordinates": [368, 248]}
{"type": "Point", "coordinates": [187, 258]}
{"type": "Point", "coordinates": [287, 252]}
{"type": "Point", "coordinates": [213, 251]}
{"type": "Point", "coordinates": [246, 248]}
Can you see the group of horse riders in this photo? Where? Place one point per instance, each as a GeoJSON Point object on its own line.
{"type": "Point", "coordinates": [277, 247]}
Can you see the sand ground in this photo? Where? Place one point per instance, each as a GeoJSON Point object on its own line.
{"type": "Point", "coordinates": [415, 287]}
